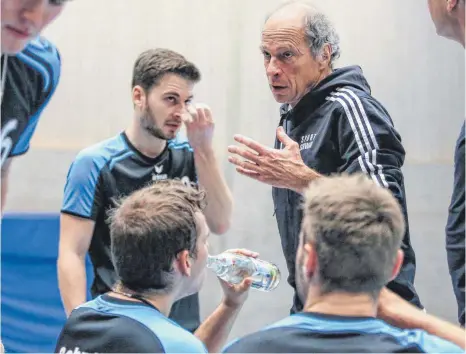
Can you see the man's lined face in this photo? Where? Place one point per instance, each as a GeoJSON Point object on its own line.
{"type": "Point", "coordinates": [290, 66]}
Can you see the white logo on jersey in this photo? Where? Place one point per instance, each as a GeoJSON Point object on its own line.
{"type": "Point", "coordinates": [157, 175]}
{"type": "Point", "coordinates": [76, 351]}
{"type": "Point", "coordinates": [158, 169]}
{"type": "Point", "coordinates": [7, 143]}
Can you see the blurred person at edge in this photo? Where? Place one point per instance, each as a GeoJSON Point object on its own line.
{"type": "Point", "coordinates": [30, 72]}
{"type": "Point", "coordinates": [448, 17]}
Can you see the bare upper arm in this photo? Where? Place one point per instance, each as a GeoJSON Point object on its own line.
{"type": "Point", "coordinates": [75, 234]}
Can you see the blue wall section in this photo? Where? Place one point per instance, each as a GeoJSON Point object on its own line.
{"type": "Point", "coordinates": [32, 313]}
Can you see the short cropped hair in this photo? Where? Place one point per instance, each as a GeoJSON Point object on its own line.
{"type": "Point", "coordinates": [356, 228]}
{"type": "Point", "coordinates": [149, 228]}
{"type": "Point", "coordinates": [153, 64]}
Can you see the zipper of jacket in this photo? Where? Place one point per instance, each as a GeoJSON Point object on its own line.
{"type": "Point", "coordinates": [285, 127]}
{"type": "Point", "coordinates": [284, 124]}
{"type": "Point", "coordinates": [281, 124]}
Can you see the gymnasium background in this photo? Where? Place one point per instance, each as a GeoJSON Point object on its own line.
{"type": "Point", "coordinates": [418, 76]}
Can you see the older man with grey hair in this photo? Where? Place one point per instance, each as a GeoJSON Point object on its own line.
{"type": "Point", "coordinates": [329, 124]}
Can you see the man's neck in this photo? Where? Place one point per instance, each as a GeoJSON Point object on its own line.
{"type": "Point", "coordinates": [341, 304]}
{"type": "Point", "coordinates": [312, 85]}
{"type": "Point", "coordinates": [144, 142]}
{"type": "Point", "coordinates": [163, 303]}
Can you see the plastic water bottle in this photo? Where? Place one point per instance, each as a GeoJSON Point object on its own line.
{"type": "Point", "coordinates": [234, 267]}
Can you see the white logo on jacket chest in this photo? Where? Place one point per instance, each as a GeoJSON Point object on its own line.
{"type": "Point", "coordinates": [306, 141]}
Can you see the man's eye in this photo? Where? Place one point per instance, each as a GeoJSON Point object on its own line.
{"type": "Point", "coordinates": [287, 55]}
{"type": "Point", "coordinates": [57, 2]}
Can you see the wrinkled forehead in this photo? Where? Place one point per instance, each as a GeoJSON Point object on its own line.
{"type": "Point", "coordinates": [284, 28]}
{"type": "Point", "coordinates": [283, 37]}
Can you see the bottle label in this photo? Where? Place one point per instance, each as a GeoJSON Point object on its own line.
{"type": "Point", "coordinates": [265, 271]}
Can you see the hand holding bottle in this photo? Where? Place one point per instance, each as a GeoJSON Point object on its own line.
{"type": "Point", "coordinates": [234, 295]}
{"type": "Point", "coordinates": [234, 267]}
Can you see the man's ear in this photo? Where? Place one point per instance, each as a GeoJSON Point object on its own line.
{"type": "Point", "coordinates": [139, 97]}
{"type": "Point", "coordinates": [310, 262]}
{"type": "Point", "coordinates": [451, 5]}
{"type": "Point", "coordinates": [183, 263]}
{"type": "Point", "coordinates": [326, 56]}
{"type": "Point", "coordinates": [398, 264]}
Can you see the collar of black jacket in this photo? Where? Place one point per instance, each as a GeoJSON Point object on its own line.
{"type": "Point", "coordinates": [341, 77]}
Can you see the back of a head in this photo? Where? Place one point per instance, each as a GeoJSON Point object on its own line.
{"type": "Point", "coordinates": [149, 228]}
{"type": "Point", "coordinates": [153, 64]}
{"type": "Point", "coordinates": [356, 228]}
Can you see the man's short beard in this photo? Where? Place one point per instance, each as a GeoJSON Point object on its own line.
{"type": "Point", "coordinates": [148, 124]}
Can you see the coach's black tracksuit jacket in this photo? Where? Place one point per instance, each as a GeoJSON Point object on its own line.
{"type": "Point", "coordinates": [455, 230]}
{"type": "Point", "coordinates": [340, 127]}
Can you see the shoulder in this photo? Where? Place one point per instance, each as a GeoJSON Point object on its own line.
{"type": "Point", "coordinates": [43, 57]}
{"type": "Point", "coordinates": [264, 341]}
{"type": "Point", "coordinates": [417, 339]}
{"type": "Point", "coordinates": [350, 98]}
{"type": "Point", "coordinates": [426, 342]}
{"type": "Point", "coordinates": [97, 156]}
{"type": "Point", "coordinates": [358, 107]}
{"type": "Point", "coordinates": [269, 339]}
{"type": "Point", "coordinates": [94, 331]}
{"type": "Point", "coordinates": [173, 338]}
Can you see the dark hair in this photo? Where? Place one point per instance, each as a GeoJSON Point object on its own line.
{"type": "Point", "coordinates": [147, 231]}
{"type": "Point", "coordinates": [153, 64]}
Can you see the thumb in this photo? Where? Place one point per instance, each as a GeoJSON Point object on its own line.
{"type": "Point", "coordinates": [281, 135]}
{"type": "Point", "coordinates": [246, 284]}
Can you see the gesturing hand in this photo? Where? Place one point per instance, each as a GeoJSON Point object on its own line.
{"type": "Point", "coordinates": [280, 168]}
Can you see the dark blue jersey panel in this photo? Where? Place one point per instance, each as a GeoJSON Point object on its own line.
{"type": "Point", "coordinates": [44, 58]}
